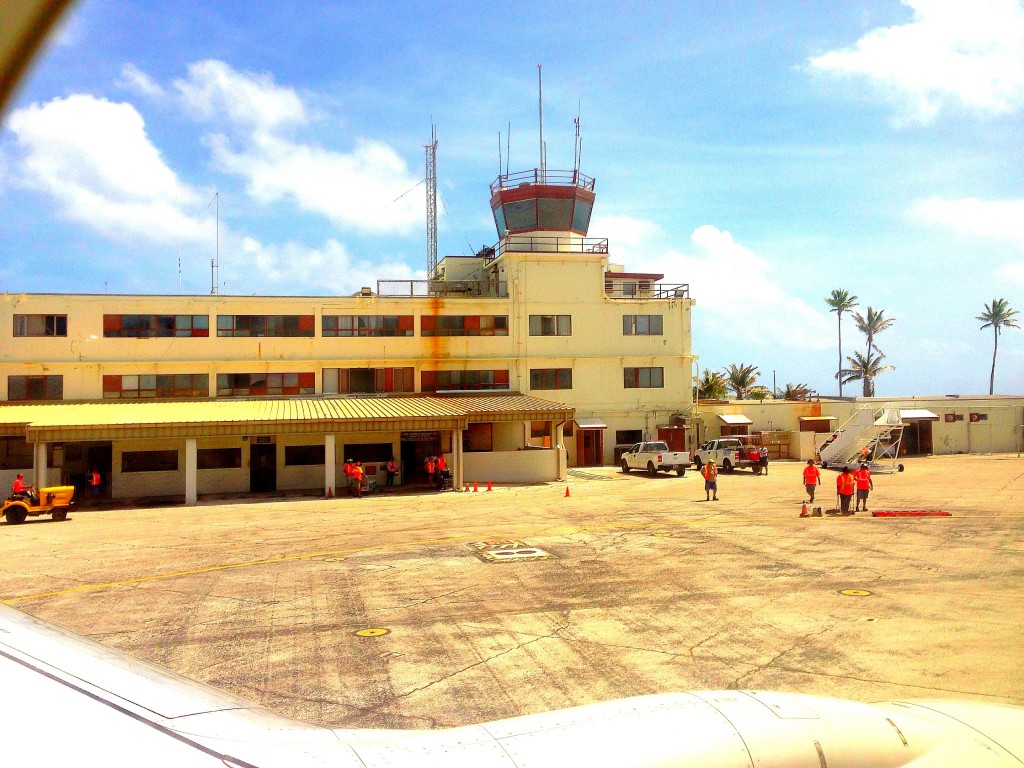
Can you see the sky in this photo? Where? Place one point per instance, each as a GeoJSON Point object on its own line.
{"type": "Point", "coordinates": [763, 153]}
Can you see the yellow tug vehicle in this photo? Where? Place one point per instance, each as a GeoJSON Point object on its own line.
{"type": "Point", "coordinates": [55, 500]}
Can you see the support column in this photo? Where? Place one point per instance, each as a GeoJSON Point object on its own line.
{"type": "Point", "coordinates": [191, 472]}
{"type": "Point", "coordinates": [39, 466]}
{"type": "Point", "coordinates": [330, 468]}
{"type": "Point", "coordinates": [562, 455]}
{"type": "Point", "coordinates": [457, 470]}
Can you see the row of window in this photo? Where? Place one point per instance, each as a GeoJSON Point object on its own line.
{"type": "Point", "coordinates": [302, 326]}
{"type": "Point", "coordinates": [344, 381]}
{"type": "Point", "coordinates": [215, 458]}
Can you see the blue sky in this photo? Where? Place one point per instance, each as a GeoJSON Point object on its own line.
{"type": "Point", "coordinates": [764, 153]}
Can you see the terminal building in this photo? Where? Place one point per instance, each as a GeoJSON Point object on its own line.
{"type": "Point", "coordinates": [515, 363]}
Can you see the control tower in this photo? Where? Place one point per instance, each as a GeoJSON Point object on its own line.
{"type": "Point", "coordinates": [543, 205]}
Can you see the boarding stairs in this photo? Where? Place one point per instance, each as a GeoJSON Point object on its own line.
{"type": "Point", "coordinates": [868, 435]}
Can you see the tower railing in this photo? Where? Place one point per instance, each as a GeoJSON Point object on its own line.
{"type": "Point", "coordinates": [543, 176]}
{"type": "Point", "coordinates": [544, 244]}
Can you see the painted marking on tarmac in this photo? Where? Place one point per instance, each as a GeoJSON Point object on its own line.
{"type": "Point", "coordinates": [552, 531]}
{"type": "Point", "coordinates": [855, 592]}
{"type": "Point", "coordinates": [372, 632]}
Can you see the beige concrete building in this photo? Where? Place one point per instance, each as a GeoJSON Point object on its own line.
{"type": "Point", "coordinates": [931, 425]}
{"type": "Point", "coordinates": [574, 353]}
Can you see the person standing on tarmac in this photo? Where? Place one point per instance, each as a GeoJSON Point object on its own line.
{"type": "Point", "coordinates": [865, 485]}
{"type": "Point", "coordinates": [710, 473]}
{"type": "Point", "coordinates": [844, 487]}
{"type": "Point", "coordinates": [812, 479]}
{"type": "Point", "coordinates": [392, 470]}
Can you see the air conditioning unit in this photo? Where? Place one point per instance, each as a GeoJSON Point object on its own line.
{"type": "Point", "coordinates": [366, 291]}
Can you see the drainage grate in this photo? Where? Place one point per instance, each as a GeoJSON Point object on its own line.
{"type": "Point", "coordinates": [587, 475]}
{"type": "Point", "coordinates": [508, 551]}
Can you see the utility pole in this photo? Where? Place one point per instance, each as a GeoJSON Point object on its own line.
{"type": "Point", "coordinates": [431, 149]}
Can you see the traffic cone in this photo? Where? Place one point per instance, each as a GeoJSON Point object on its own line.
{"type": "Point", "coordinates": [330, 493]}
{"type": "Point", "coordinates": [489, 488]}
{"type": "Point", "coordinates": [467, 488]}
{"type": "Point", "coordinates": [804, 512]}
{"type": "Point", "coordinates": [567, 491]}
{"type": "Point", "coordinates": [476, 487]}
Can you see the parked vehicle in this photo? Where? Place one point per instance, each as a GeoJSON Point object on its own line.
{"type": "Point", "coordinates": [730, 453]}
{"type": "Point", "coordinates": [655, 457]}
{"type": "Point", "coordinates": [55, 501]}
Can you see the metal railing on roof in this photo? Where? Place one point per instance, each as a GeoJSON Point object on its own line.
{"type": "Point", "coordinates": [653, 291]}
{"type": "Point", "coordinates": [494, 289]}
{"type": "Point", "coordinates": [548, 244]}
{"type": "Point", "coordinates": [542, 176]}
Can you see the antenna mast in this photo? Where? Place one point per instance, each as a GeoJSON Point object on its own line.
{"type": "Point", "coordinates": [431, 149]}
{"type": "Point", "coordinates": [215, 262]}
{"type": "Point", "coordinates": [540, 109]}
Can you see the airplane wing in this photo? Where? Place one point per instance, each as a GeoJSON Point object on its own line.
{"type": "Point", "coordinates": [70, 701]}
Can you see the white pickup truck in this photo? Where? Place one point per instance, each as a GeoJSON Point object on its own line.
{"type": "Point", "coordinates": [655, 457]}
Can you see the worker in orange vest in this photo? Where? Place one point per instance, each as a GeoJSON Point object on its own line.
{"type": "Point", "coordinates": [812, 478]}
{"type": "Point", "coordinates": [430, 466]}
{"type": "Point", "coordinates": [22, 490]}
{"type": "Point", "coordinates": [347, 469]}
{"type": "Point", "coordinates": [94, 483]}
{"type": "Point", "coordinates": [845, 485]}
{"type": "Point", "coordinates": [392, 470]}
{"type": "Point", "coordinates": [710, 473]}
{"type": "Point", "coordinates": [358, 478]}
{"type": "Point", "coordinates": [862, 477]}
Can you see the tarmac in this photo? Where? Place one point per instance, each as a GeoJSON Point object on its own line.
{"type": "Point", "coordinates": [423, 609]}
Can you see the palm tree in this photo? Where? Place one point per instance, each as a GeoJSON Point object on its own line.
{"type": "Point", "coordinates": [740, 378]}
{"type": "Point", "coordinates": [841, 301]}
{"type": "Point", "coordinates": [865, 369]}
{"type": "Point", "coordinates": [999, 315]}
{"type": "Point", "coordinates": [760, 392]}
{"type": "Point", "coordinates": [711, 386]}
{"type": "Point", "coordinates": [872, 324]}
{"type": "Point", "coordinates": [795, 392]}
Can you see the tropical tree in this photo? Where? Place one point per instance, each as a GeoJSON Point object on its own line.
{"type": "Point", "coordinates": [740, 378]}
{"type": "Point", "coordinates": [760, 392]}
{"type": "Point", "coordinates": [795, 392]}
{"type": "Point", "coordinates": [864, 369]}
{"type": "Point", "coordinates": [840, 301]}
{"type": "Point", "coordinates": [997, 315]}
{"type": "Point", "coordinates": [711, 386]}
{"type": "Point", "coordinates": [872, 324]}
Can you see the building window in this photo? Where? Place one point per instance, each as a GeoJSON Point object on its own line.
{"type": "Point", "coordinates": [641, 325]}
{"type": "Point", "coordinates": [435, 381]}
{"type": "Point", "coordinates": [478, 438]}
{"type": "Point", "coordinates": [15, 453]}
{"type": "Point", "coordinates": [40, 325]}
{"type": "Point", "coordinates": [367, 325]}
{"type": "Point", "coordinates": [551, 325]}
{"type": "Point", "coordinates": [35, 387]}
{"type": "Point", "coordinates": [143, 386]}
{"type": "Point", "coordinates": [247, 384]}
{"type": "Point", "coordinates": [643, 378]}
{"type": "Point", "coordinates": [149, 461]}
{"type": "Point", "coordinates": [464, 325]}
{"type": "Point", "coordinates": [266, 325]}
{"type": "Point", "coordinates": [551, 378]}
{"type": "Point", "coordinates": [154, 326]}
{"type": "Point", "coordinates": [219, 458]}
{"type": "Point", "coordinates": [349, 381]}
{"type": "Point", "coordinates": [375, 453]}
{"type": "Point", "coordinates": [628, 436]}
{"type": "Point", "coordinates": [304, 455]}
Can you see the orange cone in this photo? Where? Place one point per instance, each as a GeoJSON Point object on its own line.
{"type": "Point", "coordinates": [489, 486]}
{"type": "Point", "coordinates": [567, 491]}
{"type": "Point", "coordinates": [804, 512]}
{"type": "Point", "coordinates": [467, 488]}
{"type": "Point", "coordinates": [330, 493]}
{"type": "Point", "coordinates": [476, 487]}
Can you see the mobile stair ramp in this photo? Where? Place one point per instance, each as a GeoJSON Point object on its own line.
{"type": "Point", "coordinates": [871, 434]}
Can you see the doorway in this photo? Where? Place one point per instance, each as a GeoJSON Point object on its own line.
{"type": "Point", "coordinates": [414, 454]}
{"type": "Point", "coordinates": [262, 467]}
{"type": "Point", "coordinates": [589, 447]}
{"type": "Point", "coordinates": [917, 438]}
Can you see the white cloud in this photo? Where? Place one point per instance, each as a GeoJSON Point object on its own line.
{"type": "Point", "coordinates": [248, 265]}
{"type": "Point", "coordinates": [95, 159]}
{"type": "Point", "coordinates": [996, 219]}
{"type": "Point", "coordinates": [737, 297]}
{"type": "Point", "coordinates": [215, 91]}
{"type": "Point", "coordinates": [135, 80]}
{"type": "Point", "coordinates": [968, 52]}
{"type": "Point", "coordinates": [1011, 273]}
{"type": "Point", "coordinates": [365, 189]}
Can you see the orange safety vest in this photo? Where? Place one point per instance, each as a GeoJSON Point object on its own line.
{"type": "Point", "coordinates": [357, 472]}
{"type": "Point", "coordinates": [392, 467]}
{"type": "Point", "coordinates": [844, 484]}
{"type": "Point", "coordinates": [442, 464]}
{"type": "Point", "coordinates": [863, 478]}
{"type": "Point", "coordinates": [710, 472]}
{"type": "Point", "coordinates": [94, 478]}
{"type": "Point", "coordinates": [811, 475]}
{"type": "Point", "coordinates": [348, 469]}
{"type": "Point", "coordinates": [429, 466]}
